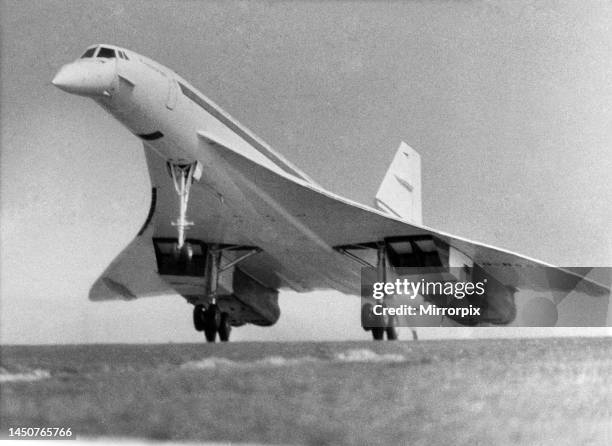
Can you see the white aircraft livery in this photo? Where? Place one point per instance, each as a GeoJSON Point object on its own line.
{"type": "Point", "coordinates": [232, 222]}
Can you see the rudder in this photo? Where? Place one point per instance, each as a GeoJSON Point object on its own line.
{"type": "Point", "coordinates": [399, 193]}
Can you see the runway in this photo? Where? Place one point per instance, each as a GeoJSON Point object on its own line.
{"type": "Point", "coordinates": [529, 391]}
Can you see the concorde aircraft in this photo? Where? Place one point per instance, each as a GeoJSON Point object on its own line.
{"type": "Point", "coordinates": [232, 222]}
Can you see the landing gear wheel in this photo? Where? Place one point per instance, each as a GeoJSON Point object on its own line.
{"type": "Point", "coordinates": [225, 328]}
{"type": "Point", "coordinates": [198, 317]}
{"type": "Point", "coordinates": [378, 333]}
{"type": "Point", "coordinates": [376, 323]}
{"type": "Point", "coordinates": [212, 321]}
{"type": "Point", "coordinates": [367, 319]}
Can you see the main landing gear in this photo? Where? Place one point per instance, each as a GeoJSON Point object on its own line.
{"type": "Point", "coordinates": [212, 322]}
{"type": "Point", "coordinates": [209, 318]}
{"type": "Point", "coordinates": [382, 324]}
{"type": "Point", "coordinates": [379, 325]}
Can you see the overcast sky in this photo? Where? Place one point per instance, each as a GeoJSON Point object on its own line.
{"type": "Point", "coordinates": [508, 103]}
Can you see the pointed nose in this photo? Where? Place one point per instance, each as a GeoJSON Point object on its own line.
{"type": "Point", "coordinates": [67, 79]}
{"type": "Point", "coordinates": [86, 78]}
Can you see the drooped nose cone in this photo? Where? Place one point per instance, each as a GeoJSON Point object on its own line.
{"type": "Point", "coordinates": [86, 78]}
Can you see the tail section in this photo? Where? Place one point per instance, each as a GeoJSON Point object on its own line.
{"type": "Point", "coordinates": [399, 193]}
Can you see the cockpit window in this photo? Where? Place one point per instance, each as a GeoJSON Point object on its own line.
{"type": "Point", "coordinates": [89, 53]}
{"type": "Point", "coordinates": [106, 52]}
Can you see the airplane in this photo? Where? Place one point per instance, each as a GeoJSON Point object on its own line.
{"type": "Point", "coordinates": [232, 222]}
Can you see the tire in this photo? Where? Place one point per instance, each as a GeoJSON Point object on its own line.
{"type": "Point", "coordinates": [210, 334]}
{"type": "Point", "coordinates": [198, 317]}
{"type": "Point", "coordinates": [391, 333]}
{"type": "Point", "coordinates": [369, 320]}
{"type": "Point", "coordinates": [378, 333]}
{"type": "Point", "coordinates": [366, 311]}
{"type": "Point", "coordinates": [212, 321]}
{"type": "Point", "coordinates": [225, 328]}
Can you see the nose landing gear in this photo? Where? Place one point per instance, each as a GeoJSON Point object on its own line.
{"type": "Point", "coordinates": [183, 175]}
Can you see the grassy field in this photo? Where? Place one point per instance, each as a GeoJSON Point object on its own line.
{"type": "Point", "coordinates": [480, 392]}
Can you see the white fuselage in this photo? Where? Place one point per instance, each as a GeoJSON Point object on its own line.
{"type": "Point", "coordinates": [147, 97]}
{"type": "Point", "coordinates": [152, 100]}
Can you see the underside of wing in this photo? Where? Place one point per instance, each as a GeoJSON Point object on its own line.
{"type": "Point", "coordinates": [335, 222]}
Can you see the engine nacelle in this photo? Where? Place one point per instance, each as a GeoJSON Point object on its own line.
{"type": "Point", "coordinates": [258, 297]}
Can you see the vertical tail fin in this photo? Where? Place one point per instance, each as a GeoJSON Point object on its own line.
{"type": "Point", "coordinates": [399, 192]}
